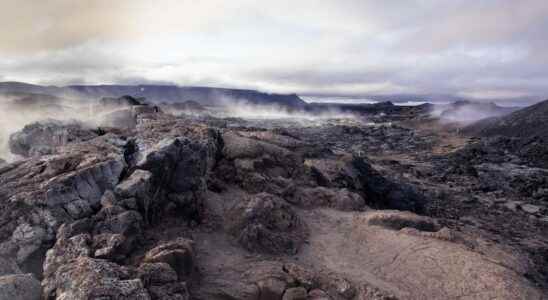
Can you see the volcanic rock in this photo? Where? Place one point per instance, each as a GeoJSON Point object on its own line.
{"type": "Point", "coordinates": [266, 223]}
{"type": "Point", "coordinates": [43, 138]}
{"type": "Point", "coordinates": [88, 278]}
{"type": "Point", "coordinates": [19, 287]}
{"type": "Point", "coordinates": [178, 254]}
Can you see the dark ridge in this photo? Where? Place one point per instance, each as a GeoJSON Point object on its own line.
{"type": "Point", "coordinates": [525, 123]}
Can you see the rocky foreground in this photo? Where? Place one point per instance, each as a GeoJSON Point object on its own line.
{"type": "Point", "coordinates": [166, 207]}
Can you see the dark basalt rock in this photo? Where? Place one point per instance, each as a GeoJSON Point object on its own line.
{"type": "Point", "coordinates": [266, 223]}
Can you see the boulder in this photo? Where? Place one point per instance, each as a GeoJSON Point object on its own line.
{"type": "Point", "coordinates": [237, 146]}
{"type": "Point", "coordinates": [28, 239]}
{"type": "Point", "coordinates": [271, 289]}
{"type": "Point", "coordinates": [179, 167]}
{"type": "Point", "coordinates": [110, 246]}
{"type": "Point", "coordinates": [156, 273]}
{"type": "Point", "coordinates": [137, 185]}
{"type": "Point", "coordinates": [87, 184]}
{"type": "Point", "coordinates": [266, 223]}
{"type": "Point", "coordinates": [64, 251]}
{"type": "Point", "coordinates": [117, 231]}
{"type": "Point", "coordinates": [178, 254]}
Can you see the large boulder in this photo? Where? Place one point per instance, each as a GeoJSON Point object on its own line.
{"type": "Point", "coordinates": [116, 231]}
{"type": "Point", "coordinates": [266, 223]}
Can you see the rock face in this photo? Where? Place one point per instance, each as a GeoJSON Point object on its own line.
{"type": "Point", "coordinates": [192, 208]}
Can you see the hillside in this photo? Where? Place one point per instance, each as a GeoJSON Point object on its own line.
{"type": "Point", "coordinates": [527, 122]}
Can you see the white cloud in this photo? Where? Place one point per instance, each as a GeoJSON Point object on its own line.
{"type": "Point", "coordinates": [308, 46]}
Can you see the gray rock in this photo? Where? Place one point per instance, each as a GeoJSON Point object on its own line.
{"type": "Point", "coordinates": [88, 184]}
{"type": "Point", "coordinates": [87, 278]}
{"type": "Point", "coordinates": [8, 266]}
{"type": "Point", "coordinates": [178, 254]}
{"type": "Point", "coordinates": [530, 208]}
{"type": "Point", "coordinates": [266, 223]}
{"type": "Point", "coordinates": [28, 239]}
{"type": "Point", "coordinates": [156, 273]}
{"type": "Point", "coordinates": [64, 252]}
{"type": "Point", "coordinates": [137, 185]}
{"type": "Point", "coordinates": [42, 138]}
{"type": "Point", "coordinates": [19, 287]}
{"type": "Point", "coordinates": [110, 246]}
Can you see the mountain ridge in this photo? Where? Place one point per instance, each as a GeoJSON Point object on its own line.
{"type": "Point", "coordinates": [159, 93]}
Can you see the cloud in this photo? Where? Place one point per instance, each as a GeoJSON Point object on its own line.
{"type": "Point", "coordinates": [492, 48]}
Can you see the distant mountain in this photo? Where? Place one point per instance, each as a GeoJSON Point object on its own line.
{"type": "Point", "coordinates": [159, 93]}
{"type": "Point", "coordinates": [527, 122]}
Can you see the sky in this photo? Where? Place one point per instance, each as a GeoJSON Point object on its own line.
{"type": "Point", "coordinates": [484, 49]}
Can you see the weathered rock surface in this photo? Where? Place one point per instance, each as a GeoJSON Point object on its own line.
{"type": "Point", "coordinates": [44, 137]}
{"type": "Point", "coordinates": [266, 223]}
{"type": "Point", "coordinates": [19, 287]}
{"type": "Point", "coordinates": [88, 278]}
{"type": "Point", "coordinates": [207, 208]}
{"type": "Point", "coordinates": [177, 254]}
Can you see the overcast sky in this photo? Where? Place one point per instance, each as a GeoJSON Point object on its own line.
{"type": "Point", "coordinates": [475, 48]}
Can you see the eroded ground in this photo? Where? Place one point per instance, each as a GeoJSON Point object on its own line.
{"type": "Point", "coordinates": [208, 208]}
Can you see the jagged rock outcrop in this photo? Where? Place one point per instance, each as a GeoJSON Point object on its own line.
{"type": "Point", "coordinates": [42, 138]}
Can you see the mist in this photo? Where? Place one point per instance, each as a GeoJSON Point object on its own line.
{"type": "Point", "coordinates": [465, 113]}
{"type": "Point", "coordinates": [21, 110]}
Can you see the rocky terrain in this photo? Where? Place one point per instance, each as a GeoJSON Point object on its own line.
{"type": "Point", "coordinates": [388, 203]}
